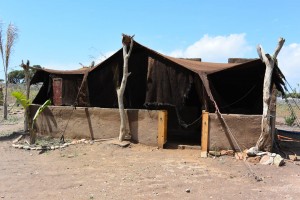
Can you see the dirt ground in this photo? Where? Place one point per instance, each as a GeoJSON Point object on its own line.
{"type": "Point", "coordinates": [106, 171]}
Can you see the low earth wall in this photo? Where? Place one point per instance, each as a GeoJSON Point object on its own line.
{"type": "Point", "coordinates": [98, 123]}
{"type": "Point", "coordinates": [245, 128]}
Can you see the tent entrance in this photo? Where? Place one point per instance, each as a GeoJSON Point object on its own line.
{"type": "Point", "coordinates": [184, 127]}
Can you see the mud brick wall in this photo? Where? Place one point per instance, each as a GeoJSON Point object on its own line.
{"type": "Point", "coordinates": [246, 129]}
{"type": "Point", "coordinates": [96, 123]}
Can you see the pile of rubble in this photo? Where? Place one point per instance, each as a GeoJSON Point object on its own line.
{"type": "Point", "coordinates": [253, 155]}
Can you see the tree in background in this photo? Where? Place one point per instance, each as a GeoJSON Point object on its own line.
{"type": "Point", "coordinates": [5, 50]}
{"type": "Point", "coordinates": [18, 76]}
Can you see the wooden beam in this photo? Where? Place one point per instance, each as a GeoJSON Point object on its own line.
{"type": "Point", "coordinates": [204, 134]}
{"type": "Point", "coordinates": [162, 128]}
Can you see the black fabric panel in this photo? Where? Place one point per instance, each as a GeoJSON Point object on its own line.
{"type": "Point", "coordinates": [167, 84]}
{"type": "Point", "coordinates": [239, 91]}
{"type": "Point", "coordinates": [102, 86]}
{"type": "Point", "coordinates": [70, 88]}
{"type": "Point", "coordinates": [135, 92]}
{"type": "Point", "coordinates": [44, 93]}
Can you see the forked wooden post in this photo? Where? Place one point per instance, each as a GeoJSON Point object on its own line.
{"type": "Point", "coordinates": [204, 134]}
{"type": "Point", "coordinates": [162, 128]}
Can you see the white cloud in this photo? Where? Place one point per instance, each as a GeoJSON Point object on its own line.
{"type": "Point", "coordinates": [216, 49]}
{"type": "Point", "coordinates": [289, 63]}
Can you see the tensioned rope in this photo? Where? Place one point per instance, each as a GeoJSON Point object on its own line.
{"type": "Point", "coordinates": [206, 85]}
{"type": "Point", "coordinates": [74, 105]}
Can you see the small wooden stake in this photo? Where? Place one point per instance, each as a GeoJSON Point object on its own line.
{"type": "Point", "coordinates": [162, 128]}
{"type": "Point", "coordinates": [204, 135]}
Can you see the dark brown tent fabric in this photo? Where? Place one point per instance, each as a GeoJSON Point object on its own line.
{"type": "Point", "coordinates": [157, 79]}
{"type": "Point", "coordinates": [167, 85]}
{"type": "Point", "coordinates": [71, 82]}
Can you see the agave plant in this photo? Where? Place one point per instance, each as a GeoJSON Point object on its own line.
{"type": "Point", "coordinates": [21, 98]}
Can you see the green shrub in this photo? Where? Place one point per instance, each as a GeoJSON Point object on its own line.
{"type": "Point", "coordinates": [290, 119]}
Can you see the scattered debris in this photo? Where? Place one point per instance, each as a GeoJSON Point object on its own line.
{"type": "Point", "coordinates": [17, 139]}
{"type": "Point", "coordinates": [267, 160]}
{"type": "Point", "coordinates": [254, 160]}
{"type": "Point", "coordinates": [252, 151]}
{"type": "Point", "coordinates": [240, 155]}
{"type": "Point", "coordinates": [215, 153]}
{"type": "Point", "coordinates": [293, 157]}
{"type": "Point", "coordinates": [278, 160]}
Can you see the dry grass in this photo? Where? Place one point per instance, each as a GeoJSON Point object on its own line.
{"type": "Point", "coordinates": [282, 110]}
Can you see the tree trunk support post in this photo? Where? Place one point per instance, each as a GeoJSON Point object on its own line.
{"type": "Point", "coordinates": [124, 126]}
{"type": "Point", "coordinates": [265, 139]}
{"type": "Point", "coordinates": [27, 82]}
{"type": "Point", "coordinates": [204, 134]}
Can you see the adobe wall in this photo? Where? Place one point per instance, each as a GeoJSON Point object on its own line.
{"type": "Point", "coordinates": [245, 128]}
{"type": "Point", "coordinates": [97, 123]}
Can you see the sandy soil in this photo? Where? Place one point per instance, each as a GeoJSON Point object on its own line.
{"type": "Point", "coordinates": [105, 171]}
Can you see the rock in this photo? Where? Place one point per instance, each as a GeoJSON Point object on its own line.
{"type": "Point", "coordinates": [187, 190]}
{"type": "Point", "coordinates": [252, 151]}
{"type": "Point", "coordinates": [254, 160]}
{"type": "Point", "coordinates": [52, 147]}
{"type": "Point", "coordinates": [203, 154]}
{"type": "Point", "coordinates": [33, 148]}
{"type": "Point", "coordinates": [278, 160]}
{"type": "Point", "coordinates": [74, 142]}
{"type": "Point", "coordinates": [65, 145]}
{"type": "Point", "coordinates": [266, 160]}
{"type": "Point", "coordinates": [239, 155]}
{"type": "Point", "coordinates": [39, 148]}
{"type": "Point", "coordinates": [26, 147]}
{"type": "Point", "coordinates": [261, 153]}
{"type": "Point", "coordinates": [273, 154]}
{"type": "Point", "coordinates": [293, 157]}
{"type": "Point", "coordinates": [70, 156]}
{"type": "Point", "coordinates": [227, 152]}
{"type": "Point", "coordinates": [17, 139]}
{"type": "Point", "coordinates": [56, 147]}
{"type": "Point", "coordinates": [215, 153]}
{"type": "Point", "coordinates": [15, 145]}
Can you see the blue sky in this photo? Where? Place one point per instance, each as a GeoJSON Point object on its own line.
{"type": "Point", "coordinates": [60, 34]}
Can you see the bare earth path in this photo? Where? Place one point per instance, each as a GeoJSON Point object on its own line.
{"type": "Point", "coordinates": [107, 171]}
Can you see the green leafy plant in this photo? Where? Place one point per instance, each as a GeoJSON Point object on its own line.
{"type": "Point", "coordinates": [21, 98]}
{"type": "Point", "coordinates": [289, 120]}
{"type": "Point", "coordinates": [41, 109]}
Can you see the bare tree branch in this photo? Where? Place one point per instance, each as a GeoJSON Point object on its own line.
{"type": "Point", "coordinates": [278, 48]}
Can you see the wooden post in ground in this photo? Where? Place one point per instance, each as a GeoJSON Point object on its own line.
{"type": "Point", "coordinates": [204, 134]}
{"type": "Point", "coordinates": [162, 128]}
{"type": "Point", "coordinates": [27, 82]}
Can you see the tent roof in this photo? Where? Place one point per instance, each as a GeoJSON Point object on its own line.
{"type": "Point", "coordinates": [193, 65]}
